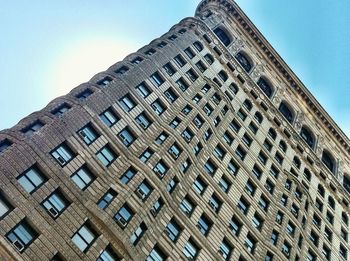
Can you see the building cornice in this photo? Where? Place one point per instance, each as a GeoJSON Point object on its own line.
{"type": "Point", "coordinates": [281, 66]}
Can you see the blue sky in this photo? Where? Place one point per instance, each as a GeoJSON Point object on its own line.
{"type": "Point", "coordinates": [49, 47]}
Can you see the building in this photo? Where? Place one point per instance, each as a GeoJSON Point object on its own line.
{"type": "Point", "coordinates": [202, 144]}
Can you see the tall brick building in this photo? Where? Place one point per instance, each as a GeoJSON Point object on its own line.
{"type": "Point", "coordinates": [201, 145]}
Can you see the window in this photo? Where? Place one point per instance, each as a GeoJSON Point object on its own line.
{"type": "Point", "coordinates": [192, 75]}
{"type": "Point", "coordinates": [187, 109]}
{"type": "Point", "coordinates": [223, 36]}
{"type": "Point", "coordinates": [198, 121]}
{"type": "Point", "coordinates": [197, 149]}
{"type": "Point", "coordinates": [233, 167]}
{"type": "Point", "coordinates": [137, 235]}
{"type": "Point", "coordinates": [5, 206]}
{"type": "Point", "coordinates": [143, 90]}
{"type": "Point", "coordinates": [190, 54]}
{"type": "Point", "coordinates": [109, 117]}
{"type": "Point", "coordinates": [326, 252]}
{"type": "Point", "coordinates": [162, 44]}
{"type": "Point", "coordinates": [172, 37]}
{"type": "Point", "coordinates": [182, 84]}
{"type": "Point", "coordinates": [247, 139]}
{"type": "Point", "coordinates": [106, 155]}
{"type": "Point", "coordinates": [179, 60]}
{"type": "Point", "coordinates": [328, 234]}
{"type": "Point", "coordinates": [175, 150]}
{"type": "Point", "coordinates": [215, 203]}
{"type": "Point", "coordinates": [265, 86]}
{"type": "Point", "coordinates": [274, 237]}
{"type": "Point", "coordinates": [274, 171]}
{"type": "Point", "coordinates": [204, 224]}
{"type": "Point", "coordinates": [235, 225]}
{"type": "Point", "coordinates": [160, 169]}
{"type": "Point", "coordinates": [279, 158]}
{"type": "Point", "coordinates": [242, 114]}
{"type": "Point", "coordinates": [290, 229]}
{"type": "Point", "coordinates": [210, 167]}
{"type": "Point", "coordinates": [243, 205]}
{"type": "Point", "coordinates": [126, 136]}
{"type": "Point", "coordinates": [22, 235]}
{"type": "Point", "coordinates": [331, 202]}
{"type": "Point", "coordinates": [83, 178]}
{"type": "Point", "coordinates": [201, 67]}
{"type": "Point", "coordinates": [107, 199]}
{"type": "Point", "coordinates": [257, 221]}
{"type": "Point", "coordinates": [175, 122]}
{"type": "Point", "coordinates": [225, 249]}
{"type": "Point", "coordinates": [190, 250]}
{"type": "Point", "coordinates": [55, 204]}
{"type": "Point", "coordinates": [187, 134]}
{"type": "Point", "coordinates": [185, 165]}
{"type": "Point", "coordinates": [157, 206]}
{"type": "Point", "coordinates": [187, 205]}
{"type": "Point", "coordinates": [286, 248]}
{"type": "Point", "coordinates": [330, 217]}
{"type": "Point", "coordinates": [31, 179]}
{"type": "Point", "coordinates": [124, 215]}
{"type": "Point", "coordinates": [146, 155]}
{"type": "Point", "coordinates": [173, 230]}
{"type": "Point", "coordinates": [199, 185]}
{"type": "Point", "coordinates": [158, 107]}
{"type": "Point", "coordinates": [307, 136]}
{"type": "Point", "coordinates": [286, 112]}
{"type": "Point", "coordinates": [108, 255]}
{"type": "Point", "coordinates": [171, 95]}
{"type": "Point", "coordinates": [257, 172]}
{"type": "Point", "coordinates": [219, 152]}
{"type": "Point", "coordinates": [209, 58]}
{"type": "Point", "coordinates": [262, 158]}
{"type": "Point", "coordinates": [88, 134]}
{"type": "Point", "coordinates": [122, 70]}
{"type": "Point", "coordinates": [105, 81]}
{"type": "Point", "coordinates": [62, 154]}
{"type": "Point", "coordinates": [250, 243]}
{"type": "Point", "coordinates": [84, 94]}
{"type": "Point", "coordinates": [244, 61]}
{"type": "Point", "coordinates": [197, 98]}
{"type": "Point", "coordinates": [279, 217]}
{"type": "Point", "coordinates": [128, 175]}
{"type": "Point", "coordinates": [84, 237]}
{"type": "Point", "coordinates": [198, 45]}
{"type": "Point", "coordinates": [169, 69]}
{"type": "Point", "coordinates": [228, 138]}
{"type": "Point", "coordinates": [137, 60]}
{"type": "Point", "coordinates": [156, 255]}
{"type": "Point", "coordinates": [150, 52]}
{"type": "Point", "coordinates": [127, 103]}
{"type": "Point", "coordinates": [144, 190]}
{"type": "Point", "coordinates": [250, 187]}
{"type": "Point", "coordinates": [157, 79]}
{"type": "Point", "coordinates": [240, 152]}
{"type": "Point", "coordinates": [345, 218]}
{"type": "Point", "coordinates": [272, 133]}
{"type": "Point", "coordinates": [61, 110]}
{"type": "Point", "coordinates": [343, 252]}
{"type": "Point", "coordinates": [143, 120]}
{"type": "Point", "coordinates": [4, 144]}
{"type": "Point", "coordinates": [328, 161]}
{"type": "Point", "coordinates": [161, 138]}
{"type": "Point", "coordinates": [172, 184]}
{"type": "Point", "coordinates": [269, 256]}
{"type": "Point", "coordinates": [33, 128]}
{"type": "Point", "coordinates": [224, 184]}
{"type": "Point", "coordinates": [234, 125]}
{"type": "Point", "coordinates": [269, 186]}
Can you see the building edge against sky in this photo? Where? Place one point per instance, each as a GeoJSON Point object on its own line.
{"type": "Point", "coordinates": [203, 143]}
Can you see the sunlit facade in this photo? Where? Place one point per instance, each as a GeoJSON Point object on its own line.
{"type": "Point", "coordinates": [202, 145]}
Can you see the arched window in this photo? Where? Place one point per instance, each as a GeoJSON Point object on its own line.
{"type": "Point", "coordinates": [248, 104]}
{"type": "Point", "coordinates": [198, 46]}
{"type": "Point", "coordinates": [283, 146]}
{"type": "Point", "coordinates": [331, 202]}
{"type": "Point", "coordinates": [223, 36]}
{"type": "Point", "coordinates": [272, 133]}
{"type": "Point", "coordinates": [244, 61]}
{"type": "Point", "coordinates": [265, 87]}
{"type": "Point", "coordinates": [234, 88]}
{"type": "Point", "coordinates": [346, 182]}
{"type": "Point", "coordinates": [307, 136]}
{"type": "Point", "coordinates": [297, 162]}
{"type": "Point", "coordinates": [286, 112]}
{"type": "Point", "coordinates": [328, 160]}
{"type": "Point", "coordinates": [345, 218]}
{"type": "Point", "coordinates": [307, 174]}
{"type": "Point", "coordinates": [223, 75]}
{"type": "Point", "coordinates": [258, 117]}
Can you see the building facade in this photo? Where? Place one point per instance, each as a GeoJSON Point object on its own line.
{"type": "Point", "coordinates": [202, 145]}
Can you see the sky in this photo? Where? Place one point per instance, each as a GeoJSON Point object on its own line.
{"type": "Point", "coordinates": [49, 47]}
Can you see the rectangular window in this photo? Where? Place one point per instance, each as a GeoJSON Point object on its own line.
{"type": "Point", "coordinates": [171, 95]}
{"type": "Point", "coordinates": [225, 249]}
{"type": "Point", "coordinates": [187, 206]}
{"type": "Point", "coordinates": [61, 110]}
{"type": "Point", "coordinates": [144, 190]}
{"type": "Point", "coordinates": [160, 169]}
{"type": "Point", "coordinates": [235, 225]}
{"type": "Point", "coordinates": [240, 152]}
{"type": "Point", "coordinates": [109, 117]}
{"type": "Point", "coordinates": [156, 255]}
{"type": "Point", "coordinates": [31, 179]}
{"type": "Point", "coordinates": [22, 235]}
{"type": "Point", "coordinates": [128, 175]}
{"type": "Point", "coordinates": [175, 150]}
{"type": "Point", "coordinates": [187, 134]}
{"type": "Point", "coordinates": [204, 224]}
{"type": "Point", "coordinates": [215, 203]}
{"type": "Point", "coordinates": [187, 109]}
{"type": "Point", "coordinates": [170, 187]}
{"type": "Point", "coordinates": [173, 230]}
{"type": "Point", "coordinates": [191, 250]}
{"type": "Point", "coordinates": [233, 167]}
{"type": "Point", "coordinates": [224, 184]}
{"type": "Point", "coordinates": [62, 154]}
{"type": "Point", "coordinates": [192, 75]}
{"type": "Point", "coordinates": [106, 155]}
{"type": "Point", "coordinates": [88, 134]}
{"type": "Point", "coordinates": [137, 60]}
{"type": "Point", "coordinates": [250, 243]}
{"type": "Point", "coordinates": [157, 206]}
{"type": "Point", "coordinates": [235, 126]}
{"type": "Point", "coordinates": [83, 178]}
{"type": "Point", "coordinates": [107, 198]}
{"type": "Point", "coordinates": [143, 120]}
{"type": "Point", "coordinates": [200, 65]}
{"type": "Point", "coordinates": [146, 155]}
{"type": "Point", "coordinates": [84, 237]}
{"type": "Point", "coordinates": [108, 255]}
{"type": "Point", "coordinates": [33, 128]}
{"type": "Point", "coordinates": [179, 60]}
{"type": "Point", "coordinates": [243, 205]}
{"type": "Point", "coordinates": [185, 165]}
{"type": "Point", "coordinates": [150, 52]}
{"type": "Point", "coordinates": [127, 102]}
{"type": "Point", "coordinates": [143, 90]}
{"type": "Point", "coordinates": [199, 185]}
{"type": "Point", "coordinates": [137, 235]}
{"type": "Point", "coordinates": [122, 70]}
{"type": "Point", "coordinates": [182, 84]}
{"type": "Point", "coordinates": [157, 79]}
{"type": "Point", "coordinates": [4, 144]}
{"type": "Point", "coordinates": [55, 204]}
{"type": "Point", "coordinates": [158, 107]}
{"type": "Point", "coordinates": [83, 95]}
{"type": "Point", "coordinates": [175, 122]}
{"type": "Point", "coordinates": [126, 136]}
{"type": "Point", "coordinates": [104, 81]}
{"type": "Point", "coordinates": [170, 70]}
{"type": "Point", "coordinates": [161, 138]}
{"type": "Point", "coordinates": [188, 51]}
{"type": "Point", "coordinates": [124, 215]}
{"type": "Point", "coordinates": [5, 206]}
{"type": "Point", "coordinates": [219, 152]}
{"type": "Point", "coordinates": [228, 138]}
{"type": "Point", "coordinates": [210, 167]}
{"type": "Point", "coordinates": [197, 149]}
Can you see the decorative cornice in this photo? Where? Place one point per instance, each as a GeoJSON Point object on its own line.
{"type": "Point", "coordinates": [281, 66]}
